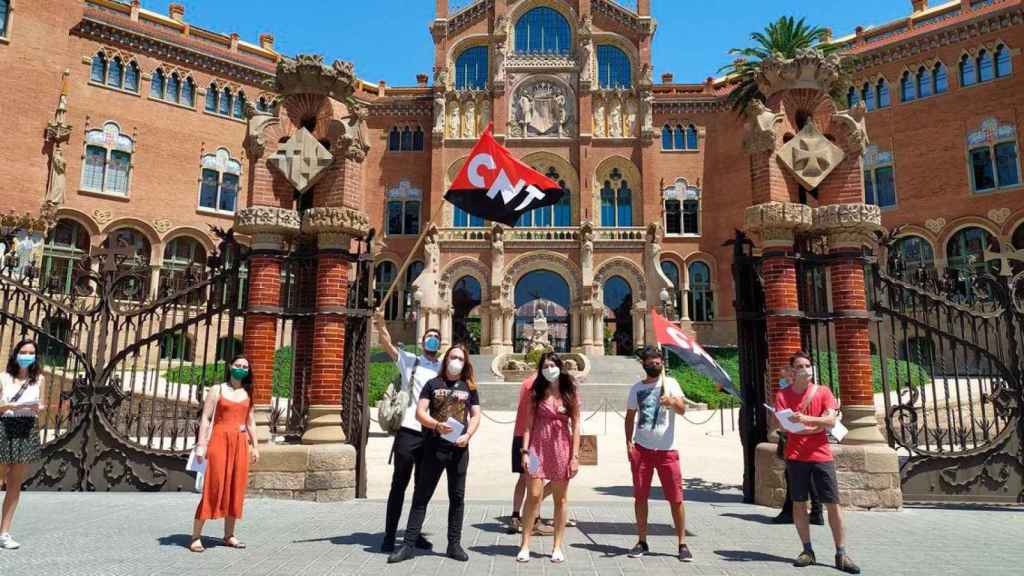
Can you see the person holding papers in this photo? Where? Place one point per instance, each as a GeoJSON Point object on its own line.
{"type": "Point", "coordinates": [551, 440]}
{"type": "Point", "coordinates": [449, 411]}
{"type": "Point", "coordinates": [807, 411]}
{"type": "Point", "coordinates": [21, 401]}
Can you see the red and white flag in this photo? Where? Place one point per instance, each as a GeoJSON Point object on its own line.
{"type": "Point", "coordinates": [672, 338]}
{"type": "Point", "coordinates": [496, 186]}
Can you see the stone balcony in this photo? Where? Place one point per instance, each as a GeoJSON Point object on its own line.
{"type": "Point", "coordinates": [604, 238]}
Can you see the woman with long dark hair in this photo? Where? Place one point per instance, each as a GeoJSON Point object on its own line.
{"type": "Point", "coordinates": [227, 440]}
{"type": "Point", "coordinates": [22, 390]}
{"type": "Point", "coordinates": [551, 450]}
{"type": "Point", "coordinates": [447, 403]}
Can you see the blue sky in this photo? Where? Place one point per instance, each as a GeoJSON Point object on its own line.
{"type": "Point", "coordinates": [388, 39]}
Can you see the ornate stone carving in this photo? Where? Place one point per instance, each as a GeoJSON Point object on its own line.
{"type": "Point", "coordinates": [335, 220]}
{"type": "Point", "coordinates": [647, 112]}
{"type": "Point", "coordinates": [811, 69]}
{"type": "Point", "coordinates": [847, 225]}
{"type": "Point", "coordinates": [777, 223]}
{"type": "Point", "coordinates": [587, 251]}
{"type": "Point", "coordinates": [542, 108]}
{"type": "Point", "coordinates": [307, 74]}
{"type": "Point", "coordinates": [631, 117]}
{"type": "Point", "coordinates": [497, 252]}
{"type": "Point", "coordinates": [647, 75]}
{"type": "Point", "coordinates": [102, 216]}
{"type": "Point", "coordinates": [441, 78]}
{"type": "Point", "coordinates": [857, 131]}
{"type": "Point", "coordinates": [935, 224]}
{"type": "Point", "coordinates": [269, 226]}
{"type": "Point", "coordinates": [438, 113]}
{"type": "Point", "coordinates": [599, 125]}
{"type": "Point", "coordinates": [469, 122]}
{"type": "Point", "coordinates": [353, 143]}
{"type": "Point", "coordinates": [810, 157]}
{"type": "Point", "coordinates": [162, 225]}
{"type": "Point", "coordinates": [428, 283]}
{"type": "Point", "coordinates": [615, 119]}
{"type": "Point", "coordinates": [455, 121]}
{"type": "Point", "coordinates": [656, 278]}
{"type": "Point", "coordinates": [255, 144]}
{"type": "Point", "coordinates": [301, 160]}
{"type": "Point", "coordinates": [999, 215]}
{"type": "Point", "coordinates": [585, 56]}
{"type": "Point", "coordinates": [500, 46]}
{"type": "Point", "coordinates": [761, 128]}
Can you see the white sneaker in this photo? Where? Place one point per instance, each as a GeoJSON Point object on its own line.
{"type": "Point", "coordinates": [524, 555]}
{"type": "Point", "coordinates": [8, 543]}
{"type": "Point", "coordinates": [557, 557]}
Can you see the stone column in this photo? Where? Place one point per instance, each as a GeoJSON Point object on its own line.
{"type": "Point", "coordinates": [269, 228]}
{"type": "Point", "coordinates": [334, 228]}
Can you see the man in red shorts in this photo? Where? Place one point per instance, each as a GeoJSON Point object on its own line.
{"type": "Point", "coordinates": [653, 404]}
{"type": "Point", "coordinates": [809, 458]}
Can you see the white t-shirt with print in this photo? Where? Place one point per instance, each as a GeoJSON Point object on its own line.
{"type": "Point", "coordinates": [425, 372]}
{"type": "Point", "coordinates": [655, 427]}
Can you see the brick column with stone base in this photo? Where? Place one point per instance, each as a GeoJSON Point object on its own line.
{"type": "Point", "coordinates": [270, 228]}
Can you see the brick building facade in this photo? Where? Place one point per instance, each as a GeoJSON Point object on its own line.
{"type": "Point", "coordinates": [154, 110]}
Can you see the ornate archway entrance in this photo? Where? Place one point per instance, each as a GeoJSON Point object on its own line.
{"type": "Point", "coordinates": [466, 298]}
{"type": "Point", "coordinates": [618, 319]}
{"type": "Point", "coordinates": [542, 292]}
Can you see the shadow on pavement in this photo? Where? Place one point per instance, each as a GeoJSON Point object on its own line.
{"type": "Point", "coordinates": [618, 528]}
{"type": "Point", "coordinates": [369, 542]}
{"type": "Point", "coordinates": [496, 550]}
{"type": "Point", "coordinates": [694, 489]}
{"type": "Point", "coordinates": [750, 556]}
{"type": "Point", "coordinates": [182, 540]}
{"type": "Point", "coordinates": [759, 518]}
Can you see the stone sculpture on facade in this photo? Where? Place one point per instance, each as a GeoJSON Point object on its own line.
{"type": "Point", "coordinates": [455, 120]}
{"type": "Point", "coordinates": [615, 119]}
{"type": "Point", "coordinates": [302, 160]}
{"type": "Point", "coordinates": [469, 113]}
{"type": "Point", "coordinates": [810, 156]}
{"type": "Point", "coordinates": [542, 108]}
{"type": "Point", "coordinates": [438, 113]}
{"type": "Point", "coordinates": [599, 126]}
{"type": "Point", "coordinates": [631, 117]}
{"type": "Point", "coordinates": [58, 131]}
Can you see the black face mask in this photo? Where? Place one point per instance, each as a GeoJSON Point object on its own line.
{"type": "Point", "coordinates": [652, 370]}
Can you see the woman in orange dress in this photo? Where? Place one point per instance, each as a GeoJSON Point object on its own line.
{"type": "Point", "coordinates": [228, 446]}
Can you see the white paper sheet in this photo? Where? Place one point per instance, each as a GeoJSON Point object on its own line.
{"type": "Point", "coordinates": [533, 465]}
{"type": "Point", "coordinates": [457, 429]}
{"type": "Point", "coordinates": [783, 417]}
{"type": "Point", "coordinates": [195, 464]}
{"type": "Point", "coordinates": [838, 431]}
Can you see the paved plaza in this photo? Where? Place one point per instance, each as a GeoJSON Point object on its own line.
{"type": "Point", "coordinates": [145, 534]}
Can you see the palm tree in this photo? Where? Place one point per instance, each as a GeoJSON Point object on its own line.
{"type": "Point", "coordinates": [784, 37]}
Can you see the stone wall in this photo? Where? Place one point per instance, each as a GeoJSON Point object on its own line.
{"type": "Point", "coordinates": [317, 473]}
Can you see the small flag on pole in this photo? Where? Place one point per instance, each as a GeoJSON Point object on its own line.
{"type": "Point", "coordinates": [496, 186]}
{"type": "Point", "coordinates": [672, 338]}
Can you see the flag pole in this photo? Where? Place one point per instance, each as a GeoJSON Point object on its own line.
{"type": "Point", "coordinates": [409, 256]}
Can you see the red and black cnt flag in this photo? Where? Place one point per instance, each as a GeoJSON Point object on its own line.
{"type": "Point", "coordinates": [496, 186]}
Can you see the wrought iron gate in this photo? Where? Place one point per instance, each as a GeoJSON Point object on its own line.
{"type": "Point", "coordinates": [953, 404]}
{"type": "Point", "coordinates": [355, 397]}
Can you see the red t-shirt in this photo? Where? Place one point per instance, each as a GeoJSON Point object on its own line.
{"type": "Point", "coordinates": [524, 399]}
{"type": "Point", "coordinates": [807, 447]}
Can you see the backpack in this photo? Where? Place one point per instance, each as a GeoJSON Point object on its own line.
{"type": "Point", "coordinates": [392, 405]}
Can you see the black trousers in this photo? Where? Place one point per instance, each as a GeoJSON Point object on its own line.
{"type": "Point", "coordinates": [787, 506]}
{"type": "Point", "coordinates": [439, 456]}
{"type": "Point", "coordinates": [408, 452]}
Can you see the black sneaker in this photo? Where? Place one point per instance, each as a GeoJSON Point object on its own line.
{"type": "Point", "coordinates": [805, 559]}
{"type": "Point", "coordinates": [783, 518]}
{"type": "Point", "coordinates": [818, 519]}
{"type": "Point", "coordinates": [424, 544]}
{"type": "Point", "coordinates": [639, 550]}
{"type": "Point", "coordinates": [405, 552]}
{"type": "Point", "coordinates": [684, 553]}
{"type": "Point", "coordinates": [844, 564]}
{"type": "Point", "coordinates": [455, 552]}
{"type": "Point", "coordinates": [388, 545]}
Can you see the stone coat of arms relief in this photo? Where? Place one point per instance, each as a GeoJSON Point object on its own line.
{"type": "Point", "coordinates": [301, 160]}
{"type": "Point", "coordinates": [810, 157]}
{"type": "Point", "coordinates": [542, 108]}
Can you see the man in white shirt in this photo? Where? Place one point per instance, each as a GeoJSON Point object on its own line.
{"type": "Point", "coordinates": [652, 406]}
{"type": "Point", "coordinates": [408, 446]}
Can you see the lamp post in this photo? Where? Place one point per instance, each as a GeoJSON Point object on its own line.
{"type": "Point", "coordinates": [664, 296]}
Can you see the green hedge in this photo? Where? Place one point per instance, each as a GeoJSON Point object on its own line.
{"type": "Point", "coordinates": [699, 388]}
{"type": "Point", "coordinates": [209, 374]}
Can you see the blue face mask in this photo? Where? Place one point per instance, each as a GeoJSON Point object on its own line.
{"type": "Point", "coordinates": [26, 360]}
{"type": "Point", "coordinates": [432, 344]}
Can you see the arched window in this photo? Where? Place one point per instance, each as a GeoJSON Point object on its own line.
{"type": "Point", "coordinates": [262, 105]}
{"type": "Point", "coordinates": [616, 203]}
{"type": "Point", "coordinates": [940, 78]}
{"type": "Point", "coordinates": [5, 10]}
{"type": "Point", "coordinates": [173, 92]}
{"type": "Point", "coordinates": [924, 82]}
{"type": "Point", "coordinates": [219, 183]}
{"type": "Point", "coordinates": [394, 140]}
{"type": "Point", "coordinates": [666, 137]}
{"type": "Point", "coordinates": [968, 75]}
{"type": "Point", "coordinates": [879, 178]}
{"type": "Point", "coordinates": [671, 271]}
{"type": "Point", "coordinates": [700, 298]}
{"type": "Point", "coordinates": [868, 94]}
{"type": "Point", "coordinates": [411, 274]}
{"type": "Point", "coordinates": [115, 73]}
{"type": "Point", "coordinates": [1003, 64]}
{"type": "Point", "coordinates": [211, 98]}
{"type": "Point", "coordinates": [613, 69]}
{"type": "Point", "coordinates": [852, 97]}
{"type": "Point", "coordinates": [966, 249]}
{"type": "Point", "coordinates": [66, 245]}
{"type": "Point", "coordinates": [98, 71]}
{"type": "Point", "coordinates": [986, 68]}
{"type": "Point", "coordinates": [914, 253]}
{"type": "Point", "coordinates": [558, 215]}
{"type": "Point", "coordinates": [239, 110]}
{"type": "Point", "coordinates": [131, 77]}
{"type": "Point", "coordinates": [882, 89]}
{"type": "Point", "coordinates": [383, 276]}
{"type": "Point", "coordinates": [680, 138]}
{"type": "Point", "coordinates": [471, 68]}
{"type": "Point", "coordinates": [417, 139]}
{"type": "Point", "coordinates": [682, 208]}
{"type": "Point", "coordinates": [404, 203]}
{"type": "Point", "coordinates": [463, 219]}
{"type": "Point", "coordinates": [692, 138]}
{"type": "Point", "coordinates": [188, 93]}
{"type": "Point", "coordinates": [183, 266]}
{"type": "Point", "coordinates": [993, 154]}
{"type": "Point", "coordinates": [133, 259]}
{"type": "Point", "coordinates": [108, 160]}
{"type": "Point", "coordinates": [542, 30]}
{"type": "Point", "coordinates": [907, 92]}
{"type": "Point", "coordinates": [406, 139]}
{"type": "Point", "coordinates": [227, 100]}
{"type": "Point", "coordinates": [673, 216]}
{"type": "Point", "coordinates": [156, 84]}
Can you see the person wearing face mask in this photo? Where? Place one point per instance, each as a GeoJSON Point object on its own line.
{"type": "Point", "coordinates": [551, 442]}
{"type": "Point", "coordinates": [786, 515]}
{"type": "Point", "coordinates": [22, 390]}
{"type": "Point", "coordinates": [450, 396]}
{"type": "Point", "coordinates": [227, 441]}
{"type": "Point", "coordinates": [407, 450]}
{"type": "Point", "coordinates": [809, 458]}
{"type": "Point", "coordinates": [652, 406]}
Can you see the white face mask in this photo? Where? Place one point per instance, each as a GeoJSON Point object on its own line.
{"type": "Point", "coordinates": [805, 373]}
{"type": "Point", "coordinates": [455, 367]}
{"type": "Point", "coordinates": [551, 373]}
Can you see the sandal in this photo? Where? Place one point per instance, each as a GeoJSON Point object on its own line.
{"type": "Point", "coordinates": [232, 542]}
{"type": "Point", "coordinates": [197, 546]}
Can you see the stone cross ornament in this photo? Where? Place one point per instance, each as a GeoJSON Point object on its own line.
{"type": "Point", "coordinates": [301, 160]}
{"type": "Point", "coordinates": [810, 157]}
